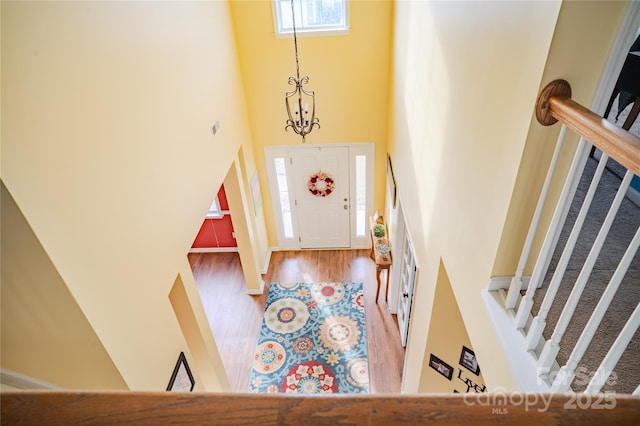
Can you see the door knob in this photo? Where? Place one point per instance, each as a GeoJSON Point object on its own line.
{"type": "Point", "coordinates": [346, 206]}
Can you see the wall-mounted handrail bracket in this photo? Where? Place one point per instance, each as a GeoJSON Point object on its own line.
{"type": "Point", "coordinates": [555, 104]}
{"type": "Point", "coordinates": [557, 88]}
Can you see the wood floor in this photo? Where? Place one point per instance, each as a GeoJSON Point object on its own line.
{"type": "Point", "coordinates": [235, 316]}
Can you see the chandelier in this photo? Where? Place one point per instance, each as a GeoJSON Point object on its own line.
{"type": "Point", "coordinates": [298, 100]}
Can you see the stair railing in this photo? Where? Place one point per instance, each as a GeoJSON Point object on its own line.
{"type": "Point", "coordinates": [555, 104]}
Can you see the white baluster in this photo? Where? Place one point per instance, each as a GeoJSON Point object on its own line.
{"type": "Point", "coordinates": [516, 281]}
{"type": "Point", "coordinates": [614, 354]}
{"type": "Point", "coordinates": [551, 238]}
{"type": "Point", "coordinates": [552, 347]}
{"type": "Point", "coordinates": [567, 372]}
{"type": "Point", "coordinates": [540, 321]}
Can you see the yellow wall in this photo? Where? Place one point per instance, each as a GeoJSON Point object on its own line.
{"type": "Point", "coordinates": [108, 153]}
{"type": "Point", "coordinates": [466, 78]}
{"type": "Point", "coordinates": [349, 74]}
{"type": "Point", "coordinates": [447, 336]}
{"type": "Point", "coordinates": [185, 301]}
{"type": "Point", "coordinates": [466, 75]}
{"type": "Point", "coordinates": [594, 24]}
{"type": "Point", "coordinates": [107, 149]}
{"type": "Point", "coordinates": [61, 333]}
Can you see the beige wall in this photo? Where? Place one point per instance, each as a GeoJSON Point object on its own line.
{"type": "Point", "coordinates": [466, 75]}
{"type": "Point", "coordinates": [349, 74]}
{"type": "Point", "coordinates": [447, 336]}
{"type": "Point", "coordinates": [107, 149]}
{"type": "Point", "coordinates": [60, 333]}
{"type": "Point", "coordinates": [593, 24]}
{"type": "Point", "coordinates": [472, 154]}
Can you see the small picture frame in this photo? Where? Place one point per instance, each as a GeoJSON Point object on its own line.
{"type": "Point", "coordinates": [440, 366]}
{"type": "Point", "coordinates": [181, 378]}
{"type": "Point", "coordinates": [392, 181]}
{"type": "Point", "coordinates": [468, 360]}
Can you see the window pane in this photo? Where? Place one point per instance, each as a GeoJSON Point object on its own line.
{"type": "Point", "coordinates": [311, 15]}
{"type": "Point", "coordinates": [361, 194]}
{"type": "Point", "coordinates": [284, 13]}
{"type": "Point", "coordinates": [214, 210]}
{"type": "Point", "coordinates": [283, 191]}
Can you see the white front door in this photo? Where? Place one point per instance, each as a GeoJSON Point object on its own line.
{"type": "Point", "coordinates": [306, 220]}
{"type": "Point", "coordinates": [321, 190]}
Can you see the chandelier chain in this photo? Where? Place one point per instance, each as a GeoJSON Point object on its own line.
{"type": "Point", "coordinates": [295, 40]}
{"type": "Point", "coordinates": [300, 103]}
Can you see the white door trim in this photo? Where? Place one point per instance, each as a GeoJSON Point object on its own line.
{"type": "Point", "coordinates": [292, 242]}
{"type": "Point", "coordinates": [406, 266]}
{"type": "Point", "coordinates": [368, 150]}
{"type": "Point", "coordinates": [619, 49]}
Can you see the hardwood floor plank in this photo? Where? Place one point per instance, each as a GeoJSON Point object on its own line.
{"type": "Point", "coordinates": [235, 316]}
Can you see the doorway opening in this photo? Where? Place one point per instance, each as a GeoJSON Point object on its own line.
{"type": "Point", "coordinates": [321, 194]}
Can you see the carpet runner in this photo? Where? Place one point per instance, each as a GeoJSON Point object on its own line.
{"type": "Point", "coordinates": [313, 340]}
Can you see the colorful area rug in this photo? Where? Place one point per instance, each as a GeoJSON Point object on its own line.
{"type": "Point", "coordinates": [313, 340]}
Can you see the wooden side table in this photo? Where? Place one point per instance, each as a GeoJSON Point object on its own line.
{"type": "Point", "coordinates": [382, 262]}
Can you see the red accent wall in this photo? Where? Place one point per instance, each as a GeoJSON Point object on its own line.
{"type": "Point", "coordinates": [222, 198]}
{"type": "Point", "coordinates": [217, 233]}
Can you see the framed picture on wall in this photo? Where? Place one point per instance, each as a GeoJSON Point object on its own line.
{"type": "Point", "coordinates": [392, 181]}
{"type": "Point", "coordinates": [181, 378]}
{"type": "Point", "coordinates": [440, 366]}
{"type": "Point", "coordinates": [468, 360]}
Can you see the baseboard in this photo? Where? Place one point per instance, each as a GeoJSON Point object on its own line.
{"type": "Point", "coordinates": [497, 283]}
{"type": "Point", "coordinates": [213, 250]}
{"type": "Point", "coordinates": [521, 364]}
{"type": "Point", "coordinates": [267, 260]}
{"type": "Point", "coordinates": [20, 381]}
{"type": "Point", "coordinates": [265, 266]}
{"type": "Point", "coordinates": [256, 292]}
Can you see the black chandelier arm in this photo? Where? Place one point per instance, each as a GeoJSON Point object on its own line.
{"type": "Point", "coordinates": [299, 127]}
{"type": "Point", "coordinates": [309, 93]}
{"type": "Point", "coordinates": [290, 94]}
{"type": "Point", "coordinates": [313, 124]}
{"type": "Point", "coordinates": [301, 91]}
{"type": "Point", "coordinates": [298, 82]}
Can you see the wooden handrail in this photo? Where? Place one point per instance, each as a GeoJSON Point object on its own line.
{"type": "Point", "coordinates": [160, 408]}
{"type": "Point", "coordinates": [554, 103]}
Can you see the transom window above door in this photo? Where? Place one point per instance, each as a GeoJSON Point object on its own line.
{"type": "Point", "coordinates": [313, 17]}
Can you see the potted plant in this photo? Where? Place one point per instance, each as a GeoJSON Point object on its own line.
{"type": "Point", "coordinates": [379, 230]}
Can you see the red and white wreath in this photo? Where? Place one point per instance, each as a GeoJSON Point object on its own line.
{"type": "Point", "coordinates": [321, 184]}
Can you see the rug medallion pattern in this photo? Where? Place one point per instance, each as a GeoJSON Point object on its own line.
{"type": "Point", "coordinates": [313, 340]}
